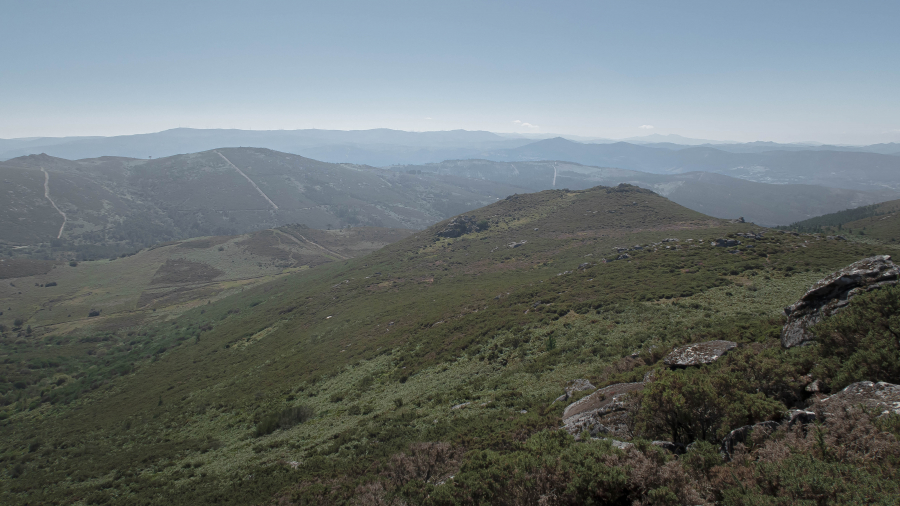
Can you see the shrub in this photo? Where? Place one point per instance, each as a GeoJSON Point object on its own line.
{"type": "Point", "coordinates": [861, 343]}
{"type": "Point", "coordinates": [701, 404]}
{"type": "Point", "coordinates": [285, 419]}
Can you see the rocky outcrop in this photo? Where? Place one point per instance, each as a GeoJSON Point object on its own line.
{"type": "Point", "coordinates": [881, 396]}
{"type": "Point", "coordinates": [460, 225]}
{"type": "Point", "coordinates": [615, 443]}
{"type": "Point", "coordinates": [698, 354]}
{"type": "Point", "coordinates": [725, 243]}
{"type": "Point", "coordinates": [602, 412]}
{"type": "Point", "coordinates": [578, 385]}
{"type": "Point", "coordinates": [833, 293]}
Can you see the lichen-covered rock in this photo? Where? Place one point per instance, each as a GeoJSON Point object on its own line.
{"type": "Point", "coordinates": [578, 385]}
{"type": "Point", "coordinates": [607, 398]}
{"type": "Point", "coordinates": [602, 412]}
{"type": "Point", "coordinates": [833, 293]}
{"type": "Point", "coordinates": [800, 416]}
{"type": "Point", "coordinates": [881, 396]}
{"type": "Point", "coordinates": [622, 445]}
{"type": "Point", "coordinates": [699, 353]}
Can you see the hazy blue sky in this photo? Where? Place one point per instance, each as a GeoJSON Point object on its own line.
{"type": "Point", "coordinates": [783, 71]}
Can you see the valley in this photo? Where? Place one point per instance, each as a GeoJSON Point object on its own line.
{"type": "Point", "coordinates": [450, 254]}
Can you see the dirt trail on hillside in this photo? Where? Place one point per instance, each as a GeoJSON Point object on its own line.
{"type": "Point", "coordinates": [554, 175]}
{"type": "Point", "coordinates": [47, 196]}
{"type": "Point", "coordinates": [342, 257]}
{"type": "Point", "coordinates": [248, 179]}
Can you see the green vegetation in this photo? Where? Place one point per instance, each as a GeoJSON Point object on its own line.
{"type": "Point", "coordinates": [375, 379]}
{"type": "Point", "coordinates": [877, 222]}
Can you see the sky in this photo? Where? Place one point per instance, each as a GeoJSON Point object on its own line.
{"type": "Point", "coordinates": [777, 71]}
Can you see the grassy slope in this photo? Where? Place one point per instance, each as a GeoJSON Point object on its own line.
{"type": "Point", "coordinates": [166, 280]}
{"type": "Point", "coordinates": [382, 346]}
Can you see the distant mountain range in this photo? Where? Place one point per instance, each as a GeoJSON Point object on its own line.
{"type": "Point", "coordinates": [370, 147]}
{"type": "Point", "coordinates": [382, 147]}
{"type": "Point", "coordinates": [836, 169]}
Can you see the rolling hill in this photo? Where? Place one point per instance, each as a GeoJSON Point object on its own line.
{"type": "Point", "coordinates": [710, 193]}
{"type": "Point", "coordinates": [427, 370]}
{"type": "Point", "coordinates": [126, 204]}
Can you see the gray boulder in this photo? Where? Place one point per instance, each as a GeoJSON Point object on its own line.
{"type": "Point", "coordinates": [699, 353]}
{"type": "Point", "coordinates": [881, 396]}
{"type": "Point", "coordinates": [834, 292]}
{"type": "Point", "coordinates": [742, 435]}
{"type": "Point", "coordinates": [800, 416]}
{"type": "Point", "coordinates": [602, 412]}
{"type": "Point", "coordinates": [578, 385]}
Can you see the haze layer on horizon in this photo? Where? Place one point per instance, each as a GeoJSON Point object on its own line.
{"type": "Point", "coordinates": [785, 72]}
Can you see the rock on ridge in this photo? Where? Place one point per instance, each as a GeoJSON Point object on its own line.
{"type": "Point", "coordinates": [699, 353]}
{"type": "Point", "coordinates": [833, 293]}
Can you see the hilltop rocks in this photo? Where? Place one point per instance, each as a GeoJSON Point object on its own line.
{"type": "Point", "coordinates": [833, 293]}
{"type": "Point", "coordinates": [602, 412]}
{"type": "Point", "coordinates": [460, 225]}
{"type": "Point", "coordinates": [698, 354]}
{"type": "Point", "coordinates": [881, 396]}
{"type": "Point", "coordinates": [725, 243]}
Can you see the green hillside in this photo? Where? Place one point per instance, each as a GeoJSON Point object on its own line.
{"type": "Point", "coordinates": [117, 205]}
{"type": "Point", "coordinates": [373, 380]}
{"type": "Point", "coordinates": [879, 222]}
